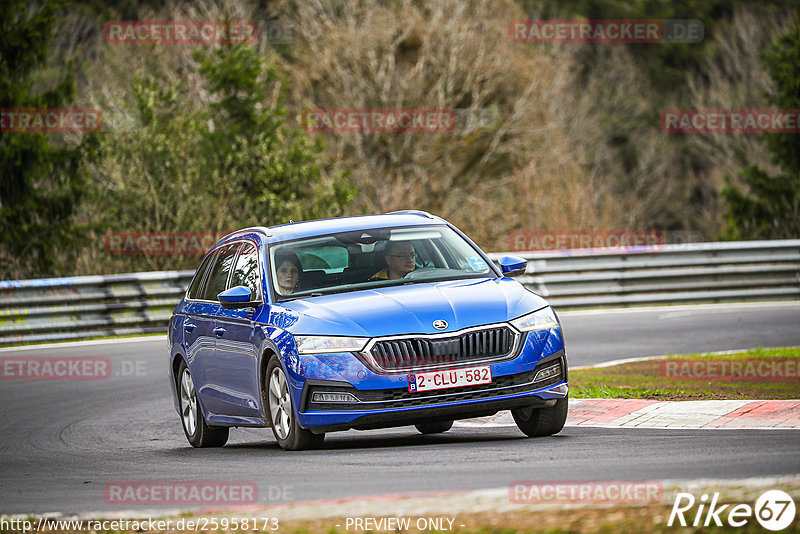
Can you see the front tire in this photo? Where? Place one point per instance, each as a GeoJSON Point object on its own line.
{"type": "Point", "coordinates": [194, 424]}
{"type": "Point", "coordinates": [280, 412]}
{"type": "Point", "coordinates": [434, 428]}
{"type": "Point", "coordinates": [538, 422]}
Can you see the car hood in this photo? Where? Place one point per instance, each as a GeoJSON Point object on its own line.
{"type": "Point", "coordinates": [412, 309]}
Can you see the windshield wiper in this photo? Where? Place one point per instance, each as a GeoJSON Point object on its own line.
{"type": "Point", "coordinates": [296, 297]}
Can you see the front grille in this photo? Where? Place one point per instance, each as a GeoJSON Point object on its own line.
{"type": "Point", "coordinates": [437, 351]}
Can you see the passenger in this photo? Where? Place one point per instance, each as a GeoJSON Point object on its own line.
{"type": "Point", "coordinates": [400, 259]}
{"type": "Point", "coordinates": [288, 272]}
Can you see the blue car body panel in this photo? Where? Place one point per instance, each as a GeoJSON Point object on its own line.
{"type": "Point", "coordinates": [226, 350]}
{"type": "Point", "coordinates": [412, 309]}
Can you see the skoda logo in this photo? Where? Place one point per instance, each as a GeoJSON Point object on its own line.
{"type": "Point", "coordinates": [440, 324]}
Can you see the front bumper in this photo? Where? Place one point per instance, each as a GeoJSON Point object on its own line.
{"type": "Point", "coordinates": [380, 408]}
{"type": "Point", "coordinates": [448, 411]}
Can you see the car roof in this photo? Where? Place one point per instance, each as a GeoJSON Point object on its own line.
{"type": "Point", "coordinates": [297, 230]}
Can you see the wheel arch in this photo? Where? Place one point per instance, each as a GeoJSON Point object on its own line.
{"type": "Point", "coordinates": [176, 366]}
{"type": "Point", "coordinates": [266, 356]}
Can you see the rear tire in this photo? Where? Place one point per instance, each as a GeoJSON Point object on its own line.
{"type": "Point", "coordinates": [281, 414]}
{"type": "Point", "coordinates": [194, 424]}
{"type": "Point", "coordinates": [538, 422]}
{"type": "Point", "coordinates": [437, 427]}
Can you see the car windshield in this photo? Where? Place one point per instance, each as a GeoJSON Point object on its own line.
{"type": "Point", "coordinates": [372, 258]}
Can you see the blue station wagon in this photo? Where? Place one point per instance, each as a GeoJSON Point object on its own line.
{"type": "Point", "coordinates": [361, 323]}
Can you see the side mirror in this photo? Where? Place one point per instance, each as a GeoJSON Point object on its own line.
{"type": "Point", "coordinates": [237, 297]}
{"type": "Point", "coordinates": [512, 265]}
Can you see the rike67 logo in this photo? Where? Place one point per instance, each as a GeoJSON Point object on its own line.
{"type": "Point", "coordinates": [774, 510]}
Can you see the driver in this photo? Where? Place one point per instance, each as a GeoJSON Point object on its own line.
{"type": "Point", "coordinates": [400, 259]}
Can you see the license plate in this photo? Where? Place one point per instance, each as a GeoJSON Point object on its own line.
{"type": "Point", "coordinates": [451, 378]}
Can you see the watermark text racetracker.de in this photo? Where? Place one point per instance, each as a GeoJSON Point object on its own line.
{"type": "Point", "coordinates": [50, 120]}
{"type": "Point", "coordinates": [170, 32]}
{"type": "Point", "coordinates": [586, 492]}
{"type": "Point", "coordinates": [730, 120]}
{"type": "Point", "coordinates": [180, 493]}
{"type": "Point", "coordinates": [733, 369]}
{"type": "Point", "coordinates": [378, 120]}
{"type": "Point", "coordinates": [183, 524]}
{"type": "Point", "coordinates": [68, 368]}
{"type": "Point", "coordinates": [160, 243]}
{"type": "Point", "coordinates": [606, 31]}
{"type": "Point", "coordinates": [623, 241]}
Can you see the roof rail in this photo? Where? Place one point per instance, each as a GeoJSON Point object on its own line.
{"type": "Point", "coordinates": [412, 212]}
{"type": "Point", "coordinates": [263, 229]}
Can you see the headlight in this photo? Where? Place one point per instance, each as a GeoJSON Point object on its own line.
{"type": "Point", "coordinates": [538, 320]}
{"type": "Point", "coordinates": [322, 344]}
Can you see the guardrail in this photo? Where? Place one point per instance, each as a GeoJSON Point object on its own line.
{"type": "Point", "coordinates": [125, 304]}
{"type": "Point", "coordinates": [668, 274]}
{"type": "Point", "coordinates": [81, 307]}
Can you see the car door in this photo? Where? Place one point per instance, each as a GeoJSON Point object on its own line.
{"type": "Point", "coordinates": [237, 370]}
{"type": "Point", "coordinates": [197, 321]}
{"type": "Point", "coordinates": [204, 365]}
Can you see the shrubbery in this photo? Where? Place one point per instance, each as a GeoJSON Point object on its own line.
{"type": "Point", "coordinates": [204, 138]}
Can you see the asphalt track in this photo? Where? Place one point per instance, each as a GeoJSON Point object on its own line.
{"type": "Point", "coordinates": [63, 441]}
{"type": "Point", "coordinates": [596, 336]}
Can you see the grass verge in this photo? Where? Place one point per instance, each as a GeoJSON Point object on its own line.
{"type": "Point", "coordinates": [751, 374]}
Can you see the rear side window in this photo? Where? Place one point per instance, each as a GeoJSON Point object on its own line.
{"type": "Point", "coordinates": [245, 272]}
{"type": "Point", "coordinates": [197, 283]}
{"type": "Point", "coordinates": [218, 276]}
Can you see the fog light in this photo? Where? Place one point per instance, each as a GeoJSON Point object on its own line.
{"type": "Point", "coordinates": [339, 398]}
{"type": "Point", "coordinates": [548, 372]}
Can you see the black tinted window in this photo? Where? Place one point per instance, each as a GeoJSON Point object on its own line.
{"type": "Point", "coordinates": [195, 290]}
{"type": "Point", "coordinates": [224, 257]}
{"type": "Point", "coordinates": [245, 273]}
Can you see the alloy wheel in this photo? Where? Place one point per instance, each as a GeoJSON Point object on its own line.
{"type": "Point", "coordinates": [280, 405]}
{"type": "Point", "coordinates": [188, 403]}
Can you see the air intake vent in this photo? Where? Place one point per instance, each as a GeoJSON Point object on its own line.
{"type": "Point", "coordinates": [416, 353]}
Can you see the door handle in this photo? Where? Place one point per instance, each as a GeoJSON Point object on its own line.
{"type": "Point", "coordinates": [189, 327]}
{"type": "Point", "coordinates": [219, 331]}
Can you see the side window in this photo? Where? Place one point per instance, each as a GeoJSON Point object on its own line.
{"type": "Point", "coordinates": [195, 288]}
{"type": "Point", "coordinates": [219, 273]}
{"type": "Point", "coordinates": [245, 272]}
